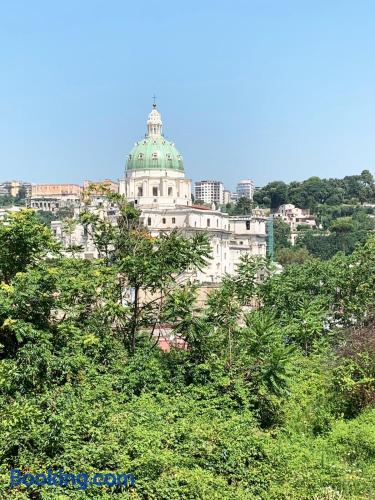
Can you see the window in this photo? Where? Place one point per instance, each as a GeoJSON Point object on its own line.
{"type": "Point", "coordinates": [154, 156]}
{"type": "Point", "coordinates": [149, 221]}
{"type": "Point", "coordinates": [140, 191]}
{"type": "Point", "coordinates": [208, 222]}
{"type": "Point", "coordinates": [170, 191]}
{"type": "Point", "coordinates": [247, 224]}
{"type": "Point", "coordinates": [140, 156]}
{"type": "Point", "coordinates": [169, 157]}
{"type": "Point", "coordinates": [173, 220]}
{"type": "Point", "coordinates": [164, 220]}
{"type": "Point", "coordinates": [154, 191]}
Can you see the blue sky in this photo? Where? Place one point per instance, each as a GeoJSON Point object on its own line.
{"type": "Point", "coordinates": [261, 89]}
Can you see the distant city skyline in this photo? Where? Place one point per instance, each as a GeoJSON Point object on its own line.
{"type": "Point", "coordinates": [261, 90]}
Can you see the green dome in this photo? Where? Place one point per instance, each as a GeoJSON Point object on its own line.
{"type": "Point", "coordinates": [154, 152]}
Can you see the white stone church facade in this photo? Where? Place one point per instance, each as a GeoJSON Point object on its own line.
{"type": "Point", "coordinates": [155, 182]}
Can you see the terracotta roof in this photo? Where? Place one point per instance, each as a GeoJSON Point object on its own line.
{"type": "Point", "coordinates": [200, 207]}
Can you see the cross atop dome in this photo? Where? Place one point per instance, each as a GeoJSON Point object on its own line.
{"type": "Point", "coordinates": [154, 123]}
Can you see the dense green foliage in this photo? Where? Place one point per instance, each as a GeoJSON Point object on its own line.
{"type": "Point", "coordinates": [311, 193]}
{"type": "Point", "coordinates": [272, 403]}
{"type": "Point", "coordinates": [292, 255]}
{"type": "Point", "coordinates": [281, 234]}
{"type": "Point", "coordinates": [48, 216]}
{"type": "Point", "coordinates": [244, 206]}
{"type": "Point", "coordinates": [341, 208]}
{"type": "Point", "coordinates": [8, 199]}
{"type": "Point", "coordinates": [343, 234]}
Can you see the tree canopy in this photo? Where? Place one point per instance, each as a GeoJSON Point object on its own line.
{"type": "Point", "coordinates": [312, 192]}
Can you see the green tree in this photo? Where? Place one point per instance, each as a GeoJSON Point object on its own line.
{"type": "Point", "coordinates": [281, 234]}
{"type": "Point", "coordinates": [294, 255]}
{"type": "Point", "coordinates": [6, 200]}
{"type": "Point", "coordinates": [243, 206]}
{"type": "Point", "coordinates": [23, 241]}
{"type": "Point", "coordinates": [148, 268]}
{"type": "Point", "coordinates": [272, 195]}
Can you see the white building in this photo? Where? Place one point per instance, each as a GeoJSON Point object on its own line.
{"type": "Point", "coordinates": [245, 189]}
{"type": "Point", "coordinates": [155, 182]}
{"type": "Point", "coordinates": [294, 217]}
{"type": "Point", "coordinates": [210, 192]}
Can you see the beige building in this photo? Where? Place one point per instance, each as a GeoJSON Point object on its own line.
{"type": "Point", "coordinates": [52, 197]}
{"type": "Point", "coordinates": [50, 190]}
{"type": "Point", "coordinates": [12, 188]}
{"type": "Point", "coordinates": [227, 196]}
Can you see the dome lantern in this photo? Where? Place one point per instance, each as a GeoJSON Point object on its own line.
{"type": "Point", "coordinates": [154, 123]}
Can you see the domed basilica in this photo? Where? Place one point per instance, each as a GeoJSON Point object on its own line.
{"type": "Point", "coordinates": [155, 182]}
{"type": "Point", "coordinates": [155, 171]}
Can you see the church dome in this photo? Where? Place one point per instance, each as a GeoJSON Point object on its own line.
{"type": "Point", "coordinates": [154, 151]}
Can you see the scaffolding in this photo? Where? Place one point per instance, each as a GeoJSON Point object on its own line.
{"type": "Point", "coordinates": [270, 237]}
